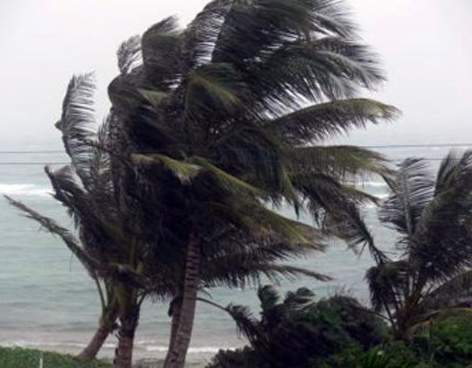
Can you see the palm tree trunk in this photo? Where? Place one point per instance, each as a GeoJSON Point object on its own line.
{"type": "Point", "coordinates": [97, 341]}
{"type": "Point", "coordinates": [128, 324]}
{"type": "Point", "coordinates": [178, 350]}
{"type": "Point", "coordinates": [107, 322]}
{"type": "Point", "coordinates": [175, 313]}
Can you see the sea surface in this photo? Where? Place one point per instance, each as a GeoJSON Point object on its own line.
{"type": "Point", "coordinates": [48, 301]}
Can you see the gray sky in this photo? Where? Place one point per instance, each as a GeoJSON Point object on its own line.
{"type": "Point", "coordinates": [425, 45]}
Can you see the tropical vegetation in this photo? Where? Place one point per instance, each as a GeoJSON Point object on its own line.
{"type": "Point", "coordinates": [212, 128]}
{"type": "Point", "coordinates": [226, 119]}
{"type": "Point", "coordinates": [338, 332]}
{"type": "Point", "coordinates": [300, 331]}
{"type": "Point", "coordinates": [86, 187]}
{"type": "Point", "coordinates": [432, 269]}
{"type": "Point", "coordinates": [29, 358]}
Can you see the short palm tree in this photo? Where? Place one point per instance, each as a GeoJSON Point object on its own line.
{"type": "Point", "coordinates": [433, 218]}
{"type": "Point", "coordinates": [225, 119]}
{"type": "Point", "coordinates": [106, 246]}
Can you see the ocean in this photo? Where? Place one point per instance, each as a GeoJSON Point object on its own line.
{"type": "Point", "coordinates": [47, 300]}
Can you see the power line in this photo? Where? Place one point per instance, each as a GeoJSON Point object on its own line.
{"type": "Point", "coordinates": [34, 163]}
{"type": "Point", "coordinates": [30, 152]}
{"type": "Point", "coordinates": [386, 146]}
{"type": "Point", "coordinates": [426, 145]}
{"type": "Point", "coordinates": [394, 160]}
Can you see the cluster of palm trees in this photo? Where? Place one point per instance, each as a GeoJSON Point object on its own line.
{"type": "Point", "coordinates": [211, 129]}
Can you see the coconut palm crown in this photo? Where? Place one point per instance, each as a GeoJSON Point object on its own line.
{"type": "Point", "coordinates": [227, 117]}
{"type": "Point", "coordinates": [433, 219]}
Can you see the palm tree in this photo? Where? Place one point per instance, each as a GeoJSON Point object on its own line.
{"type": "Point", "coordinates": [87, 190]}
{"type": "Point", "coordinates": [106, 246]}
{"type": "Point", "coordinates": [433, 219]}
{"type": "Point", "coordinates": [225, 119]}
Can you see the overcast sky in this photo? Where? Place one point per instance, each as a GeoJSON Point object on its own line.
{"type": "Point", "coordinates": [425, 46]}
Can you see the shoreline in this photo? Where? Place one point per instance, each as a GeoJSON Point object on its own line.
{"type": "Point", "coordinates": [197, 357]}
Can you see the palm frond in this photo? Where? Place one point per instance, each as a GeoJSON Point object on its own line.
{"type": "Point", "coordinates": [262, 26]}
{"type": "Point", "coordinates": [78, 124]}
{"type": "Point", "coordinates": [129, 54]}
{"type": "Point", "coordinates": [413, 190]}
{"type": "Point", "coordinates": [330, 119]}
{"type": "Point", "coordinates": [214, 89]}
{"type": "Point", "coordinates": [264, 223]}
{"type": "Point", "coordinates": [245, 321]}
{"type": "Point", "coordinates": [299, 72]}
{"type": "Point", "coordinates": [184, 171]}
{"type": "Point", "coordinates": [455, 172]}
{"type": "Point", "coordinates": [258, 157]}
{"type": "Point", "coordinates": [347, 163]}
{"type": "Point", "coordinates": [229, 182]}
{"type": "Point", "coordinates": [454, 292]}
{"type": "Point", "coordinates": [202, 33]}
{"type": "Point", "coordinates": [348, 224]}
{"type": "Point", "coordinates": [89, 263]}
{"type": "Point", "coordinates": [389, 284]}
{"type": "Point", "coordinates": [242, 270]}
{"type": "Point", "coordinates": [154, 98]}
{"type": "Point", "coordinates": [268, 296]}
{"type": "Point", "coordinates": [161, 47]}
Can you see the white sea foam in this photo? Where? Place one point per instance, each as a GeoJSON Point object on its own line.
{"type": "Point", "coordinates": [149, 348]}
{"type": "Point", "coordinates": [35, 344]}
{"type": "Point", "coordinates": [199, 350]}
{"type": "Point", "coordinates": [24, 190]}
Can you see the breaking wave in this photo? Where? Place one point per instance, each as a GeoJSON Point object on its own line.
{"type": "Point", "coordinates": [24, 190]}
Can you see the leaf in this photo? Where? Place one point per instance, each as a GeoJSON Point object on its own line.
{"type": "Point", "coordinates": [77, 124]}
{"type": "Point", "coordinates": [227, 181]}
{"type": "Point", "coordinates": [330, 119]}
{"type": "Point", "coordinates": [155, 98]}
{"type": "Point", "coordinates": [214, 89]}
{"type": "Point", "coordinates": [129, 54]}
{"type": "Point", "coordinates": [161, 53]}
{"type": "Point", "coordinates": [452, 293]}
{"type": "Point", "coordinates": [413, 190]}
{"type": "Point", "coordinates": [184, 171]}
{"type": "Point", "coordinates": [90, 264]}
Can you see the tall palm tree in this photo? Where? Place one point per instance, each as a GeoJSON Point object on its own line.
{"type": "Point", "coordinates": [433, 217]}
{"type": "Point", "coordinates": [88, 190]}
{"type": "Point", "coordinates": [225, 119]}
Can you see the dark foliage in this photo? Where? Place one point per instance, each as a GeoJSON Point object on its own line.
{"type": "Point", "coordinates": [299, 332]}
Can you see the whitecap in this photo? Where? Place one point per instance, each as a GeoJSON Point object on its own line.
{"type": "Point", "coordinates": [24, 190]}
{"type": "Point", "coordinates": [192, 350]}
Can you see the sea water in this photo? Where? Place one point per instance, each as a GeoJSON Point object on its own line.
{"type": "Point", "coordinates": [48, 301]}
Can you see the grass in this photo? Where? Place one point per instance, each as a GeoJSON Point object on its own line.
{"type": "Point", "coordinates": [30, 358]}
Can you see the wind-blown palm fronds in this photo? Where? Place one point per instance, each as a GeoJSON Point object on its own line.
{"type": "Point", "coordinates": [433, 218]}
{"type": "Point", "coordinates": [299, 329]}
{"type": "Point", "coordinates": [221, 120]}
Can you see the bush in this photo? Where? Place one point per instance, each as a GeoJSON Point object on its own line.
{"type": "Point", "coordinates": [299, 332]}
{"type": "Point", "coordinates": [29, 358]}
{"type": "Point", "coordinates": [448, 340]}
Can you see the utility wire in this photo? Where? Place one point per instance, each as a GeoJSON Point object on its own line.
{"type": "Point", "coordinates": [395, 160]}
{"type": "Point", "coordinates": [391, 146]}
{"type": "Point", "coordinates": [387, 146]}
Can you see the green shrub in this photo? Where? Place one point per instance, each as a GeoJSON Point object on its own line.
{"type": "Point", "coordinates": [29, 358]}
{"type": "Point", "coordinates": [298, 332]}
{"type": "Point", "coordinates": [448, 340]}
